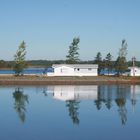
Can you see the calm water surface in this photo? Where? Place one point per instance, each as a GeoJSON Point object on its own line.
{"type": "Point", "coordinates": [102, 112]}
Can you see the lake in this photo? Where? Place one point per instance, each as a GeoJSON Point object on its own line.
{"type": "Point", "coordinates": [29, 71]}
{"type": "Point", "coordinates": [97, 112]}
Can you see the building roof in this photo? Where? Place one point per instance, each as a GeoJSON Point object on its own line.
{"type": "Point", "coordinates": [76, 65]}
{"type": "Point", "coordinates": [134, 67]}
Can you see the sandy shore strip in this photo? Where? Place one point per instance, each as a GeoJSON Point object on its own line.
{"type": "Point", "coordinates": [44, 80]}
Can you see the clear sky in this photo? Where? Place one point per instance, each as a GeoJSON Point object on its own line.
{"type": "Point", "coordinates": [48, 27]}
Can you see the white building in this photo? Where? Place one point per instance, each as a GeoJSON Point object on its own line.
{"type": "Point", "coordinates": [134, 71]}
{"type": "Point", "coordinates": [74, 70]}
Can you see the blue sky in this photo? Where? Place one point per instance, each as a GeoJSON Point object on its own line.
{"type": "Point", "coordinates": [48, 27]}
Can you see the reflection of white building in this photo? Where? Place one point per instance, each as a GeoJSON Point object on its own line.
{"type": "Point", "coordinates": [135, 89]}
{"type": "Point", "coordinates": [135, 95]}
{"type": "Point", "coordinates": [75, 92]}
{"type": "Point", "coordinates": [135, 92]}
{"type": "Point", "coordinates": [74, 70]}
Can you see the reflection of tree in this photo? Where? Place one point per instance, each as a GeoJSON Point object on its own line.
{"type": "Point", "coordinates": [122, 92]}
{"type": "Point", "coordinates": [122, 110]}
{"type": "Point", "coordinates": [45, 92]}
{"type": "Point", "coordinates": [108, 103]}
{"type": "Point", "coordinates": [73, 107]}
{"type": "Point", "coordinates": [106, 94]}
{"type": "Point", "coordinates": [133, 98]}
{"type": "Point", "coordinates": [20, 101]}
{"type": "Point", "coordinates": [98, 102]}
{"type": "Point", "coordinates": [102, 93]}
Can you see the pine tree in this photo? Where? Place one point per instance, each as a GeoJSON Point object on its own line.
{"type": "Point", "coordinates": [108, 62]}
{"type": "Point", "coordinates": [19, 59]}
{"type": "Point", "coordinates": [98, 60]}
{"type": "Point", "coordinates": [73, 55]}
{"type": "Point", "coordinates": [121, 64]}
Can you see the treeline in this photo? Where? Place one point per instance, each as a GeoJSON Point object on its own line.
{"type": "Point", "coordinates": [41, 63]}
{"type": "Point", "coordinates": [5, 64]}
{"type": "Point", "coordinates": [48, 63]}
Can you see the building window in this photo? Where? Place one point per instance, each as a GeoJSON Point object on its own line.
{"type": "Point", "coordinates": [89, 69]}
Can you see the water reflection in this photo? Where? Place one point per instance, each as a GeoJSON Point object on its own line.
{"type": "Point", "coordinates": [115, 97]}
{"type": "Point", "coordinates": [103, 95]}
{"type": "Point", "coordinates": [122, 110]}
{"type": "Point", "coordinates": [72, 95]}
{"type": "Point", "coordinates": [108, 94]}
{"type": "Point", "coordinates": [73, 106]}
{"type": "Point", "coordinates": [66, 93]}
{"type": "Point", "coordinates": [20, 103]}
{"type": "Point", "coordinates": [120, 94]}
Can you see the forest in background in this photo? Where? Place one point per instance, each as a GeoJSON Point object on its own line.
{"type": "Point", "coordinates": [48, 63]}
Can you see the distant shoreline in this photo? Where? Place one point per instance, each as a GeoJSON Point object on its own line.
{"type": "Point", "coordinates": [44, 80]}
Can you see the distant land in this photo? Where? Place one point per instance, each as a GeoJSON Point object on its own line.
{"type": "Point", "coordinates": [48, 63]}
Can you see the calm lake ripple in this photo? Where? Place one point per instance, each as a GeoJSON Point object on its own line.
{"type": "Point", "coordinates": [98, 112]}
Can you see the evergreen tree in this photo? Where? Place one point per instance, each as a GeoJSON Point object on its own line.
{"type": "Point", "coordinates": [73, 55]}
{"type": "Point", "coordinates": [98, 57]}
{"type": "Point", "coordinates": [108, 62]}
{"type": "Point", "coordinates": [121, 64]}
{"type": "Point", "coordinates": [98, 60]}
{"type": "Point", "coordinates": [19, 59]}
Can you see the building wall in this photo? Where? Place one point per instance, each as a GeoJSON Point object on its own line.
{"type": "Point", "coordinates": [69, 71]}
{"type": "Point", "coordinates": [86, 72]}
{"type": "Point", "coordinates": [63, 71]}
{"type": "Point", "coordinates": [135, 72]}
